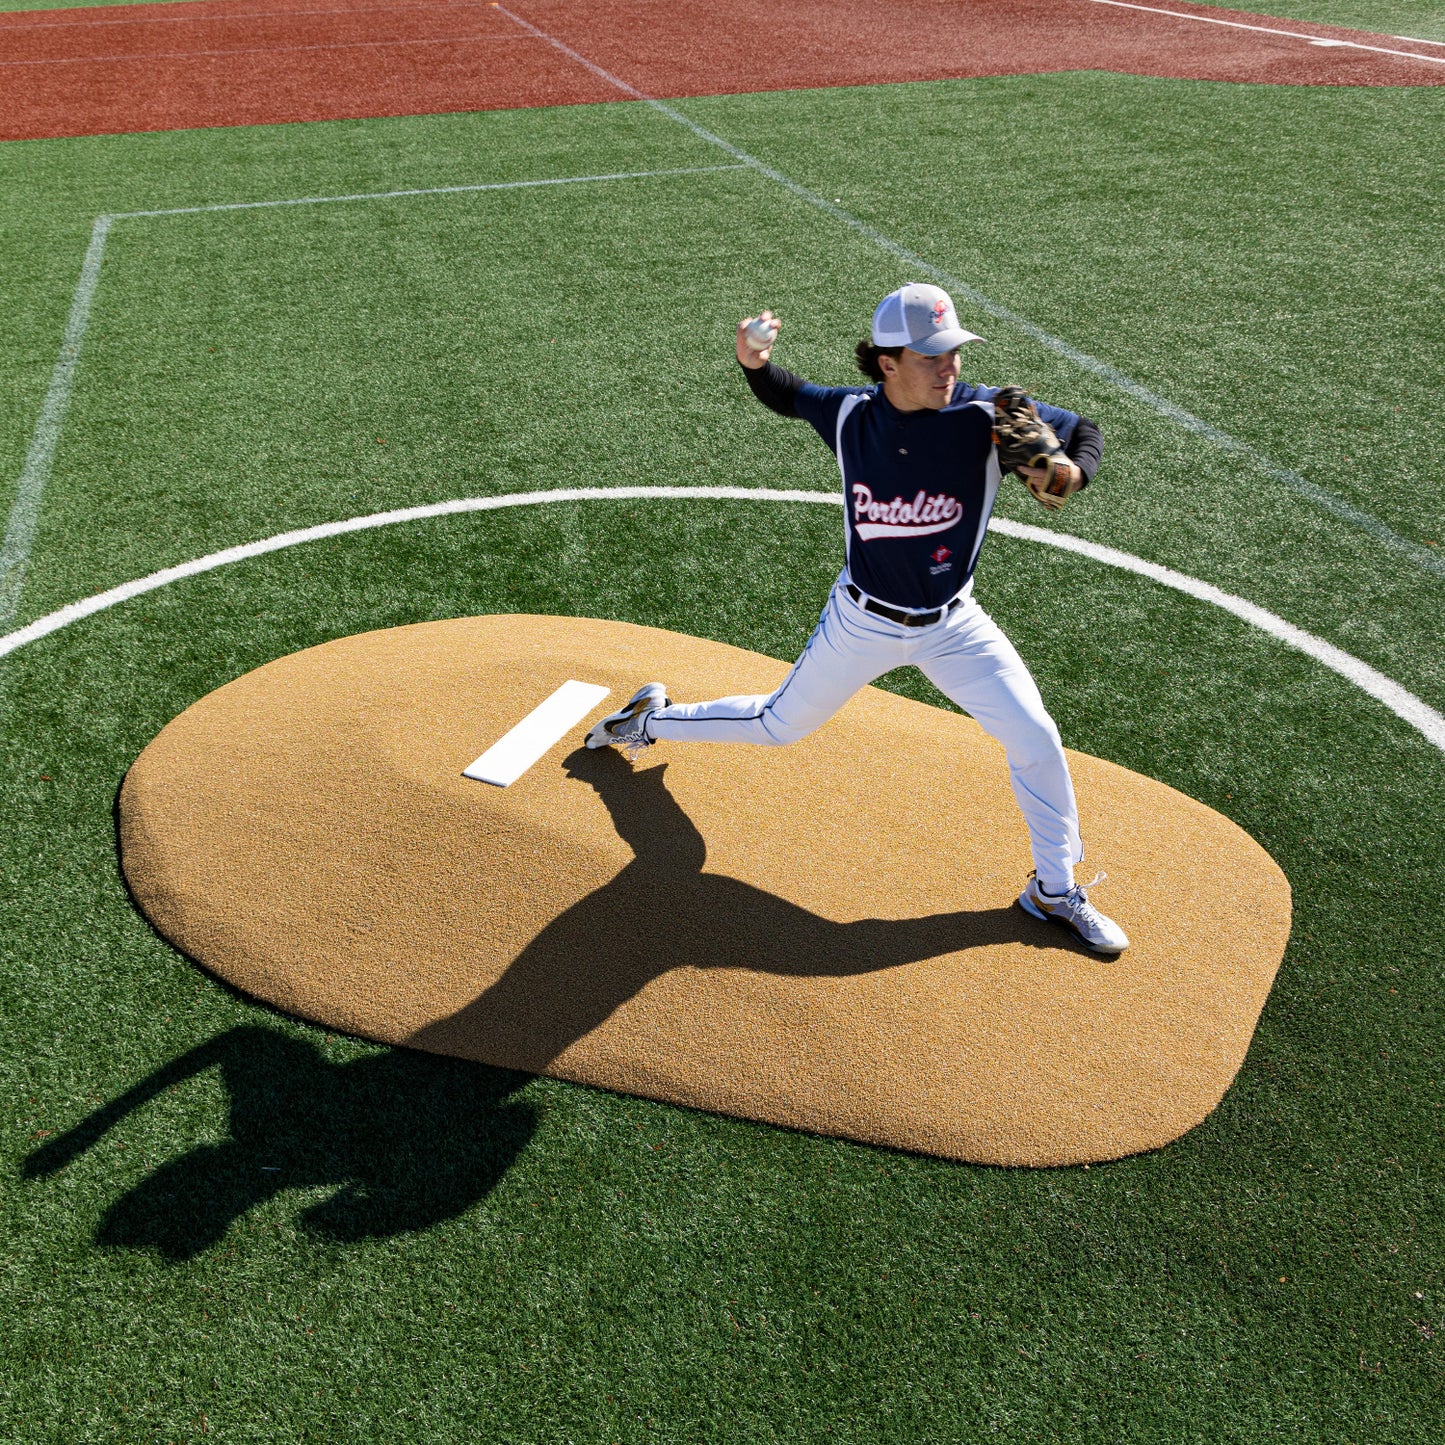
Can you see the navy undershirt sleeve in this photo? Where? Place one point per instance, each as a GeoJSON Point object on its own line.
{"type": "Point", "coordinates": [775, 388]}
{"type": "Point", "coordinates": [1086, 447]}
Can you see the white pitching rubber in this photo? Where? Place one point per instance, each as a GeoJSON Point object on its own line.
{"type": "Point", "coordinates": [511, 755]}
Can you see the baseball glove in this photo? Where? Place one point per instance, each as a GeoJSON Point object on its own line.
{"type": "Point", "coordinates": [1024, 439]}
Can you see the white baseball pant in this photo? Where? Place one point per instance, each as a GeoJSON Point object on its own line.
{"type": "Point", "coordinates": [965, 655]}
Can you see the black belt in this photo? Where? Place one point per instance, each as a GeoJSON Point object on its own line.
{"type": "Point", "coordinates": [907, 619]}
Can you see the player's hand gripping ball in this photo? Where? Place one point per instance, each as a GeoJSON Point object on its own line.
{"type": "Point", "coordinates": [756, 335]}
{"type": "Point", "coordinates": [761, 331]}
{"type": "Point", "coordinates": [1028, 447]}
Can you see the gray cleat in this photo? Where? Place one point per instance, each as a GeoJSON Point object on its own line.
{"type": "Point", "coordinates": [1076, 913]}
{"type": "Point", "coordinates": [627, 727]}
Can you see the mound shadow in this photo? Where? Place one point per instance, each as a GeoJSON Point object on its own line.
{"type": "Point", "coordinates": [406, 1141]}
{"type": "Point", "coordinates": [663, 912]}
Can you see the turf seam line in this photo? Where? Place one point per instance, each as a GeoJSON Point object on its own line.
{"type": "Point", "coordinates": [25, 509]}
{"type": "Point", "coordinates": [1320, 496]}
{"type": "Point", "coordinates": [30, 489]}
{"type": "Point", "coordinates": [1403, 703]}
{"type": "Point", "coordinates": [1271, 30]}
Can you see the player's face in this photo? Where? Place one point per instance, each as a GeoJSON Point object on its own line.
{"type": "Point", "coordinates": [915, 382]}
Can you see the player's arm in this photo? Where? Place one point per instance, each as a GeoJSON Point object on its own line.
{"type": "Point", "coordinates": [1085, 448]}
{"type": "Point", "coordinates": [781, 391]}
{"type": "Point", "coordinates": [776, 388]}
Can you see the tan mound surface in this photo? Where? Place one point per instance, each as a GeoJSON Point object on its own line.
{"type": "Point", "coordinates": [819, 936]}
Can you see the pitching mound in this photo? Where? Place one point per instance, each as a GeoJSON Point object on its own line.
{"type": "Point", "coordinates": [820, 936]}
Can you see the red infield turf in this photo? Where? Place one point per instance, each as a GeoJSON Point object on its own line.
{"type": "Point", "coordinates": [247, 62]}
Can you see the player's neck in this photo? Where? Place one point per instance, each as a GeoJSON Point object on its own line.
{"type": "Point", "coordinates": [904, 398]}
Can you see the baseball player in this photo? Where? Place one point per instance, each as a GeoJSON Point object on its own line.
{"type": "Point", "coordinates": [920, 474]}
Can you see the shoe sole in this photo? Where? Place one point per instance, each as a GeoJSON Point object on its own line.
{"type": "Point", "coordinates": [1034, 912]}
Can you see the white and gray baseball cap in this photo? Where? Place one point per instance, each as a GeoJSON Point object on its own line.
{"type": "Point", "coordinates": [920, 317]}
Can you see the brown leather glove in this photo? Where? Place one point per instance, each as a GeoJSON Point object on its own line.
{"type": "Point", "coordinates": [1024, 439]}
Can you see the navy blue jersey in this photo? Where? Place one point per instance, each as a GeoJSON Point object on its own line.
{"type": "Point", "coordinates": [918, 486]}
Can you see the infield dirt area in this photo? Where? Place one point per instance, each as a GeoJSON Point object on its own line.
{"type": "Point", "coordinates": [223, 62]}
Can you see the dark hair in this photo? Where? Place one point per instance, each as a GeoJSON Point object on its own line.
{"type": "Point", "coordinates": [866, 355]}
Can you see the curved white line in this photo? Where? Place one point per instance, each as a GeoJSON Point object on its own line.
{"type": "Point", "coordinates": [1403, 704]}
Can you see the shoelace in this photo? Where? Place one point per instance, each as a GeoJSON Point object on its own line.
{"type": "Point", "coordinates": [1078, 899]}
{"type": "Point", "coordinates": [635, 740]}
{"type": "Point", "coordinates": [633, 744]}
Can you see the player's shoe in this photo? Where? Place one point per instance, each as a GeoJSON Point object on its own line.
{"type": "Point", "coordinates": [1076, 913]}
{"type": "Point", "coordinates": [627, 727]}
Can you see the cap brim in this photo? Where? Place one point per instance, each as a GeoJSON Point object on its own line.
{"type": "Point", "coordinates": [942, 341]}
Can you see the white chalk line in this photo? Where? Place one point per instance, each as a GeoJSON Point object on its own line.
{"type": "Point", "coordinates": [1273, 30]}
{"type": "Point", "coordinates": [30, 489]}
{"type": "Point", "coordinates": [25, 509]}
{"type": "Point", "coordinates": [1404, 704]}
{"type": "Point", "coordinates": [1319, 496]}
{"type": "Point", "coordinates": [428, 191]}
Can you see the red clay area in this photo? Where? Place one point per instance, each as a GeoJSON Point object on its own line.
{"type": "Point", "coordinates": [251, 62]}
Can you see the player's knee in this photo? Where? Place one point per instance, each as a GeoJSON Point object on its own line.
{"type": "Point", "coordinates": [779, 731]}
{"type": "Point", "coordinates": [1035, 740]}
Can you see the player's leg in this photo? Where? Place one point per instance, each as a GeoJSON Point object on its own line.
{"type": "Point", "coordinates": [968, 658]}
{"type": "Point", "coordinates": [971, 661]}
{"type": "Point", "coordinates": [849, 648]}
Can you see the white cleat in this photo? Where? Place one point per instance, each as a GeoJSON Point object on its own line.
{"type": "Point", "coordinates": [627, 727]}
{"type": "Point", "coordinates": [1076, 913]}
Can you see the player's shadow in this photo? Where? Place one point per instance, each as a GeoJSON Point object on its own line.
{"type": "Point", "coordinates": [405, 1140]}
{"type": "Point", "coordinates": [662, 912]}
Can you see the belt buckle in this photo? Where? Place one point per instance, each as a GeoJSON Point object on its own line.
{"type": "Point", "coordinates": [896, 614]}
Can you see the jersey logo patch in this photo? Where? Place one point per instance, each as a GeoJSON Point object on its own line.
{"type": "Point", "coordinates": [940, 554]}
{"type": "Point", "coordinates": [924, 514]}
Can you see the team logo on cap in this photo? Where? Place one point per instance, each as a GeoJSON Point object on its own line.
{"type": "Point", "coordinates": [940, 312]}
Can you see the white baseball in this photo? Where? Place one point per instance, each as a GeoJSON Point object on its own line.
{"type": "Point", "coordinates": [761, 334]}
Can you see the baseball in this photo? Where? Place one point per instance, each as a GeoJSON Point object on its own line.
{"type": "Point", "coordinates": [761, 333]}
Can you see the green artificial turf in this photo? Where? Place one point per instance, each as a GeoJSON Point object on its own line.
{"type": "Point", "coordinates": [302, 1236]}
{"type": "Point", "coordinates": [1424, 19]}
{"type": "Point", "coordinates": [1286, 287]}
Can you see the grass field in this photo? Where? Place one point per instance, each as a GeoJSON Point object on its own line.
{"type": "Point", "coordinates": [442, 1252]}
